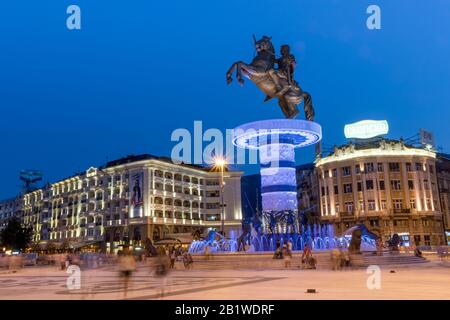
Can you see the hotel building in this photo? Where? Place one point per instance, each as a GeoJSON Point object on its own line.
{"type": "Point", "coordinates": [388, 185]}
{"type": "Point", "coordinates": [443, 174]}
{"type": "Point", "coordinates": [132, 199]}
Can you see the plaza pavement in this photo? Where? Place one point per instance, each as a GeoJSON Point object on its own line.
{"type": "Point", "coordinates": [424, 281]}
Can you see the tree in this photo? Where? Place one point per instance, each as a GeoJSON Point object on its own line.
{"type": "Point", "coordinates": [15, 236]}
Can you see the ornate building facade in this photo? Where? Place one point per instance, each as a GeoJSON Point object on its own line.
{"type": "Point", "coordinates": [443, 174]}
{"type": "Point", "coordinates": [389, 186]}
{"type": "Point", "coordinates": [132, 199]}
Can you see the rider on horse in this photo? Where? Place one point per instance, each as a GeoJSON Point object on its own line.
{"type": "Point", "coordinates": [284, 76]}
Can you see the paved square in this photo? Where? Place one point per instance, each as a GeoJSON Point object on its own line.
{"type": "Point", "coordinates": [425, 281]}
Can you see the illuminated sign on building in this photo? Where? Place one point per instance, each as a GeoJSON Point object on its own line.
{"type": "Point", "coordinates": [366, 129]}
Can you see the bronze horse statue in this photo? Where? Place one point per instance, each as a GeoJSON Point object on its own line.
{"type": "Point", "coordinates": [261, 72]}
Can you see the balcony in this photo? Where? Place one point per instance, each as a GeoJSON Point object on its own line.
{"type": "Point", "coordinates": [347, 214]}
{"type": "Point", "coordinates": [401, 211]}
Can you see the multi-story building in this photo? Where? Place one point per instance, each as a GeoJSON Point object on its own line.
{"type": "Point", "coordinates": [9, 208]}
{"type": "Point", "coordinates": [388, 185]}
{"type": "Point", "coordinates": [308, 193]}
{"type": "Point", "coordinates": [133, 199]}
{"type": "Point", "coordinates": [443, 175]}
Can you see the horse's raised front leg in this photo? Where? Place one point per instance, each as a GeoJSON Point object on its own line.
{"type": "Point", "coordinates": [239, 73]}
{"type": "Point", "coordinates": [229, 72]}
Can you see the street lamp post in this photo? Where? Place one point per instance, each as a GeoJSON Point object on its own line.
{"type": "Point", "coordinates": [221, 199]}
{"type": "Point", "coordinates": [221, 163]}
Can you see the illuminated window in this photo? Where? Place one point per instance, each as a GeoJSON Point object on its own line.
{"type": "Point", "coordinates": [395, 184]}
{"type": "Point", "coordinates": [371, 205]}
{"type": "Point", "coordinates": [398, 204]}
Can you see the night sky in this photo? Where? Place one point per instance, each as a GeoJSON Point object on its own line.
{"type": "Point", "coordinates": [139, 69]}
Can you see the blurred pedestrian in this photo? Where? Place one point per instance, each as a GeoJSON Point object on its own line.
{"type": "Point", "coordinates": [173, 257]}
{"type": "Point", "coordinates": [286, 256]}
{"type": "Point", "coordinates": [127, 265]}
{"type": "Point", "coordinates": [336, 259]}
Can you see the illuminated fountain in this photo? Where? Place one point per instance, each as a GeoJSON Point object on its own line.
{"type": "Point", "coordinates": [276, 141]}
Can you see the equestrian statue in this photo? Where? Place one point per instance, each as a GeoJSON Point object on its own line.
{"type": "Point", "coordinates": [275, 83]}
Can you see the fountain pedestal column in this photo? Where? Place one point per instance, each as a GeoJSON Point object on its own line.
{"type": "Point", "coordinates": [276, 141]}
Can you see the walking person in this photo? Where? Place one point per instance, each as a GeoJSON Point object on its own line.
{"type": "Point", "coordinates": [127, 265]}
{"type": "Point", "coordinates": [286, 257]}
{"type": "Point", "coordinates": [173, 257]}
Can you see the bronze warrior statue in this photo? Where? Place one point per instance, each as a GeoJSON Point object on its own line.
{"type": "Point", "coordinates": [277, 83]}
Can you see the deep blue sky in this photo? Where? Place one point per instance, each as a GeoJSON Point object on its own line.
{"type": "Point", "coordinates": [140, 69]}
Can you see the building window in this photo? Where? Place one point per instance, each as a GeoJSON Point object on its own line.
{"type": "Point", "coordinates": [334, 173]}
{"type": "Point", "coordinates": [380, 167]}
{"type": "Point", "coordinates": [394, 167]}
{"type": "Point", "coordinates": [361, 205]}
{"type": "Point", "coordinates": [412, 203]}
{"type": "Point", "coordinates": [337, 208]}
{"type": "Point", "coordinates": [382, 185]}
{"type": "Point", "coordinates": [336, 190]}
{"type": "Point", "coordinates": [357, 169]}
{"type": "Point", "coordinates": [398, 204]}
{"type": "Point", "coordinates": [369, 184]}
{"type": "Point", "coordinates": [348, 188]}
{"type": "Point", "coordinates": [371, 205]}
{"type": "Point", "coordinates": [374, 223]}
{"type": "Point", "coordinates": [410, 184]}
{"type": "Point", "coordinates": [418, 166]}
{"type": "Point", "coordinates": [431, 169]}
{"type": "Point", "coordinates": [368, 167]}
{"type": "Point", "coordinates": [395, 184]}
{"type": "Point", "coordinates": [346, 171]}
{"type": "Point", "coordinates": [349, 206]}
{"type": "Point", "coordinates": [408, 167]}
{"type": "Point", "coordinates": [359, 186]}
{"type": "Point", "coordinates": [427, 240]}
{"type": "Point", "coordinates": [425, 184]}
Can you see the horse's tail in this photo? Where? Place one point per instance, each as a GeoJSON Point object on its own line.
{"type": "Point", "coordinates": [308, 106]}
